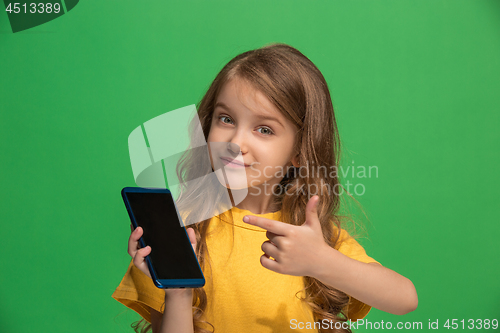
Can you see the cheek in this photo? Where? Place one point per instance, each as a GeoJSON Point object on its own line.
{"type": "Point", "coordinates": [212, 149]}
{"type": "Point", "coordinates": [210, 133]}
{"type": "Point", "coordinates": [274, 158]}
{"type": "Point", "coordinates": [214, 135]}
{"type": "Point", "coordinates": [269, 155]}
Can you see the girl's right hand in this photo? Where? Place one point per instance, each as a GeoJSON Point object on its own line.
{"type": "Point", "coordinates": [139, 254]}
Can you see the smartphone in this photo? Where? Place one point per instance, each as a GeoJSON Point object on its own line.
{"type": "Point", "coordinates": [172, 261]}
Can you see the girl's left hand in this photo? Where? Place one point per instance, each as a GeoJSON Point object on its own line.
{"type": "Point", "coordinates": [296, 249]}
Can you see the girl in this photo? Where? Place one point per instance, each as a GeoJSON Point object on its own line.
{"type": "Point", "coordinates": [279, 261]}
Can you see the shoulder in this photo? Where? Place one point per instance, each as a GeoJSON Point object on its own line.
{"type": "Point", "coordinates": [138, 292]}
{"type": "Point", "coordinates": [350, 247]}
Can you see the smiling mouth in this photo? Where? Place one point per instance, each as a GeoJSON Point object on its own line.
{"type": "Point", "coordinates": [233, 163]}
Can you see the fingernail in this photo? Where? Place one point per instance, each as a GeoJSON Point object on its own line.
{"type": "Point", "coordinates": [245, 219]}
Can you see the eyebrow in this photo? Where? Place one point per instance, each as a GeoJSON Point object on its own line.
{"type": "Point", "coordinates": [259, 116]}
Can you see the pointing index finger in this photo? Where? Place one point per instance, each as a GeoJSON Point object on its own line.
{"type": "Point", "coordinates": [273, 226]}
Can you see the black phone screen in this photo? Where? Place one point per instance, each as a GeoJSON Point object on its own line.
{"type": "Point", "coordinates": [171, 254]}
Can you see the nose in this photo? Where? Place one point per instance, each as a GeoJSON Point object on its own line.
{"type": "Point", "coordinates": [237, 143]}
{"type": "Point", "coordinates": [233, 148]}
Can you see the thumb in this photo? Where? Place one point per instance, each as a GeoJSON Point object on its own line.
{"type": "Point", "coordinates": [312, 219]}
{"type": "Point", "coordinates": [192, 237]}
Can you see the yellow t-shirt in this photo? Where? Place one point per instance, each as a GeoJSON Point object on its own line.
{"type": "Point", "coordinates": [242, 295]}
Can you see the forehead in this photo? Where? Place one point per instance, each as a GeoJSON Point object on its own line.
{"type": "Point", "coordinates": [239, 95]}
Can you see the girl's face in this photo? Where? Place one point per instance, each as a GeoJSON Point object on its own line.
{"type": "Point", "coordinates": [253, 134]}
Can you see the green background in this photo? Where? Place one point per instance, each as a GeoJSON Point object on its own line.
{"type": "Point", "coordinates": [415, 85]}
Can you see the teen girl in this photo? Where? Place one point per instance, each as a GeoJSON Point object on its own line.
{"type": "Point", "coordinates": [279, 261]}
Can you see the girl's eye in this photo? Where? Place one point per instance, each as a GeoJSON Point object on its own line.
{"type": "Point", "coordinates": [266, 130]}
{"type": "Point", "coordinates": [228, 120]}
{"type": "Point", "coordinates": [225, 119]}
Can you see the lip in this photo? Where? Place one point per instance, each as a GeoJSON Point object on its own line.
{"type": "Point", "coordinates": [231, 162]}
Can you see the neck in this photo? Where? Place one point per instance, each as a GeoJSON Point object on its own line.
{"type": "Point", "coordinates": [257, 200]}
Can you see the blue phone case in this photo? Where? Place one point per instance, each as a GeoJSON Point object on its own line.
{"type": "Point", "coordinates": [159, 282]}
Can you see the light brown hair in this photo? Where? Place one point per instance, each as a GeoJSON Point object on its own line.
{"type": "Point", "coordinates": [299, 91]}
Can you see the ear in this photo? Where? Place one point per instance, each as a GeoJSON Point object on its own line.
{"type": "Point", "coordinates": [295, 161]}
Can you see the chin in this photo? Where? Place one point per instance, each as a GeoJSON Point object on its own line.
{"type": "Point", "coordinates": [237, 185]}
{"type": "Point", "coordinates": [232, 181]}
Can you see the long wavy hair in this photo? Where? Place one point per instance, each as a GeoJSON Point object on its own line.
{"type": "Point", "coordinates": [296, 87]}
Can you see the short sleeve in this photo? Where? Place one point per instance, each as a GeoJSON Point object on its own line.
{"type": "Point", "coordinates": [348, 246]}
{"type": "Point", "coordinates": [138, 292]}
